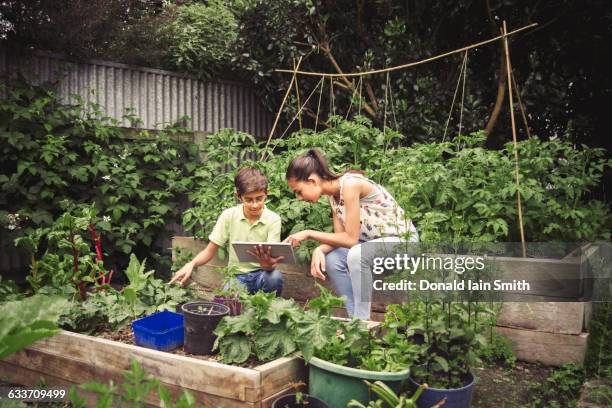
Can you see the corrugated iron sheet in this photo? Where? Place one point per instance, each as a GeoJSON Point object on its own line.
{"type": "Point", "coordinates": [157, 97]}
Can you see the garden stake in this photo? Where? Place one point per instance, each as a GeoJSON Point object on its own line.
{"type": "Point", "coordinates": [263, 155]}
{"type": "Point", "coordinates": [297, 95]}
{"type": "Point", "coordinates": [450, 113]}
{"type": "Point", "coordinates": [319, 106]}
{"type": "Point", "coordinates": [516, 157]}
{"type": "Point", "coordinates": [520, 102]}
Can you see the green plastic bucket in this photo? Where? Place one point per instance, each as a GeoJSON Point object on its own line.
{"type": "Point", "coordinates": [337, 385]}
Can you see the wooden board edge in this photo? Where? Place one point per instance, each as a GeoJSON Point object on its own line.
{"type": "Point", "coordinates": [163, 365]}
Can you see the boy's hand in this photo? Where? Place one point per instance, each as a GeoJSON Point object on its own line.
{"type": "Point", "coordinates": [264, 257]}
{"type": "Point", "coordinates": [296, 239]}
{"type": "Point", "coordinates": [183, 274]}
{"type": "Point", "coordinates": [317, 264]}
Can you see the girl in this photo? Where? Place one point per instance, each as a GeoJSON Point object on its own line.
{"type": "Point", "coordinates": [362, 211]}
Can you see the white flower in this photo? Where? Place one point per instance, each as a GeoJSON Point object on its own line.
{"type": "Point", "coordinates": [107, 177]}
{"type": "Point", "coordinates": [106, 218]}
{"type": "Point", "coordinates": [13, 221]}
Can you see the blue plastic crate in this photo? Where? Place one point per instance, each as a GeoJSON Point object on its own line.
{"type": "Point", "coordinates": [160, 331]}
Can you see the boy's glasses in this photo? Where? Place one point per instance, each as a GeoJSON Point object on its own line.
{"type": "Point", "coordinates": [256, 200]}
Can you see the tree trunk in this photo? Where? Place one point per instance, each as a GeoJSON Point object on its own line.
{"type": "Point", "coordinates": [501, 95]}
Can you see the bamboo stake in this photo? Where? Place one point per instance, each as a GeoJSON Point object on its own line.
{"type": "Point", "coordinates": [412, 64]}
{"type": "Point", "coordinates": [297, 94]}
{"type": "Point", "coordinates": [263, 154]}
{"type": "Point", "coordinates": [516, 157]}
{"type": "Point", "coordinates": [319, 104]}
{"type": "Point", "coordinates": [465, 61]}
{"type": "Point", "coordinates": [518, 97]}
{"type": "Point", "coordinates": [450, 113]}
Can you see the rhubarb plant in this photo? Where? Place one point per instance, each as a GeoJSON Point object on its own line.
{"type": "Point", "coordinates": [272, 327]}
{"type": "Point", "coordinates": [61, 257]}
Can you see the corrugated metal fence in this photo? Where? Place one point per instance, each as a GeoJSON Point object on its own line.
{"type": "Point", "coordinates": [157, 97]}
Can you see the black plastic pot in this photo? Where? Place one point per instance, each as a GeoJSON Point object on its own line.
{"type": "Point", "coordinates": [201, 319]}
{"type": "Point", "coordinates": [290, 401]}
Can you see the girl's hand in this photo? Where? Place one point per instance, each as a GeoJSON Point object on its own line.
{"type": "Point", "coordinates": [317, 264]}
{"type": "Point", "coordinates": [182, 275]}
{"type": "Point", "coordinates": [297, 238]}
{"type": "Point", "coordinates": [264, 257]}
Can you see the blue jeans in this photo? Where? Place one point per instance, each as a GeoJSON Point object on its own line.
{"type": "Point", "coordinates": [260, 279]}
{"type": "Point", "coordinates": [343, 266]}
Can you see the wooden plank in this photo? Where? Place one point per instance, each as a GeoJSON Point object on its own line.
{"type": "Point", "coordinates": [546, 348]}
{"type": "Point", "coordinates": [26, 366]}
{"type": "Point", "coordinates": [547, 277]}
{"type": "Point", "coordinates": [281, 374]}
{"type": "Point", "coordinates": [206, 376]}
{"type": "Point", "coordinates": [553, 317]}
{"type": "Point", "coordinates": [15, 374]}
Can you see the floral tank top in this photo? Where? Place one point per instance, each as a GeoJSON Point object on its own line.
{"type": "Point", "coordinates": [379, 214]}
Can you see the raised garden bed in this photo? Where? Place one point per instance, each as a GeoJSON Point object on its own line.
{"type": "Point", "coordinates": [68, 359]}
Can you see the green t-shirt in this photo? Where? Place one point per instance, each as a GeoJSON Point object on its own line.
{"type": "Point", "coordinates": [232, 225]}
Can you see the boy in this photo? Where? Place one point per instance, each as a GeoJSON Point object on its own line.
{"type": "Point", "coordinates": [249, 221]}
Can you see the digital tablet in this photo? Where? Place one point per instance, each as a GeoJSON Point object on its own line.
{"type": "Point", "coordinates": [278, 249]}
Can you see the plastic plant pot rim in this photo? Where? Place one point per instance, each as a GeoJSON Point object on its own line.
{"type": "Point", "coordinates": [462, 389]}
{"type": "Point", "coordinates": [138, 324]}
{"type": "Point", "coordinates": [358, 373]}
{"type": "Point", "coordinates": [155, 332]}
{"type": "Point", "coordinates": [224, 309]}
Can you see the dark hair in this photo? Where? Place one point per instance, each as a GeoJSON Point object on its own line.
{"type": "Point", "coordinates": [250, 179]}
{"type": "Point", "coordinates": [313, 161]}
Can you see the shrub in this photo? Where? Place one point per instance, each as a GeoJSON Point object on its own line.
{"type": "Point", "coordinates": [204, 36]}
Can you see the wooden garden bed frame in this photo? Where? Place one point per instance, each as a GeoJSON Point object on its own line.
{"type": "Point", "coordinates": [68, 359]}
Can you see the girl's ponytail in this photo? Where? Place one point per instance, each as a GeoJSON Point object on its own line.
{"type": "Point", "coordinates": [313, 161]}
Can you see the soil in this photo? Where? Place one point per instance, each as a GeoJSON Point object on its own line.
{"type": "Point", "coordinates": [507, 388]}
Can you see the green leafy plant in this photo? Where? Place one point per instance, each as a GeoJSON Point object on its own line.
{"type": "Point", "coordinates": [498, 351]}
{"type": "Point", "coordinates": [23, 322]}
{"type": "Point", "coordinates": [56, 156]}
{"type": "Point", "coordinates": [598, 361]}
{"type": "Point", "coordinates": [271, 327]}
{"type": "Point", "coordinates": [453, 335]}
{"type": "Point", "coordinates": [453, 191]}
{"type": "Point", "coordinates": [108, 307]}
{"type": "Point", "coordinates": [10, 291]}
{"type": "Point", "coordinates": [61, 257]}
{"type": "Point", "coordinates": [230, 288]}
{"type": "Point", "coordinates": [203, 37]}
{"type": "Point", "coordinates": [388, 398]}
{"type": "Point", "coordinates": [560, 389]}
{"type": "Point", "coordinates": [134, 391]}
